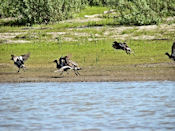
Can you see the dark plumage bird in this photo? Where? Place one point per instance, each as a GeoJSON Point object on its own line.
{"type": "Point", "coordinates": [122, 46]}
{"type": "Point", "coordinates": [66, 64]}
{"type": "Point", "coordinates": [19, 60]}
{"type": "Point", "coordinates": [64, 60]}
{"type": "Point", "coordinates": [172, 55]}
{"type": "Point", "coordinates": [61, 68]}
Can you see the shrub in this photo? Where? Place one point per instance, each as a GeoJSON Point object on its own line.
{"type": "Point", "coordinates": [143, 12]}
{"type": "Point", "coordinates": [40, 11]}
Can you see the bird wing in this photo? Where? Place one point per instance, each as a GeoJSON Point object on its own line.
{"type": "Point", "coordinates": [25, 56]}
{"type": "Point", "coordinates": [173, 49]}
{"type": "Point", "coordinates": [63, 61]}
{"type": "Point", "coordinates": [122, 45]}
{"type": "Point", "coordinates": [116, 45]}
{"type": "Point", "coordinates": [65, 68]}
{"type": "Point", "coordinates": [73, 63]}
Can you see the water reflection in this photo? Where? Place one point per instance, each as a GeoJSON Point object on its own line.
{"type": "Point", "coordinates": [88, 106]}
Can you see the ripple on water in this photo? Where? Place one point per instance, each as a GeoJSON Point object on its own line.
{"type": "Point", "coordinates": [93, 106]}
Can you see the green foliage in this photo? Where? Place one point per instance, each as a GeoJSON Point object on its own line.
{"type": "Point", "coordinates": [91, 10]}
{"type": "Point", "coordinates": [89, 53]}
{"type": "Point", "coordinates": [129, 12]}
{"type": "Point", "coordinates": [40, 11]}
{"type": "Point", "coordinates": [97, 2]}
{"type": "Point", "coordinates": [143, 12]}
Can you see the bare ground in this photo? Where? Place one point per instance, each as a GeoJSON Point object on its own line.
{"type": "Point", "coordinates": [139, 72]}
{"type": "Point", "coordinates": [109, 32]}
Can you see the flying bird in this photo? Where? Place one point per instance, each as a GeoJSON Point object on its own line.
{"type": "Point", "coordinates": [64, 60]}
{"type": "Point", "coordinates": [122, 46]}
{"type": "Point", "coordinates": [61, 68]}
{"type": "Point", "coordinates": [71, 63]}
{"type": "Point", "coordinates": [172, 55]}
{"type": "Point", "coordinates": [19, 60]}
{"type": "Point", "coordinates": [66, 64]}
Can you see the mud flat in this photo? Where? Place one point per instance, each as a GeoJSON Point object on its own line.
{"type": "Point", "coordinates": [139, 72]}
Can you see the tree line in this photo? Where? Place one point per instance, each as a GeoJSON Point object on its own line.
{"type": "Point", "coordinates": [130, 12]}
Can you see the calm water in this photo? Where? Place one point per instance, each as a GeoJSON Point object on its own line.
{"type": "Point", "coordinates": [92, 106]}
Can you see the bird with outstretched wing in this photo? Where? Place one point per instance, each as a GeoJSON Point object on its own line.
{"type": "Point", "coordinates": [66, 64]}
{"type": "Point", "coordinates": [172, 55]}
{"type": "Point", "coordinates": [173, 50]}
{"type": "Point", "coordinates": [19, 60]}
{"type": "Point", "coordinates": [122, 46]}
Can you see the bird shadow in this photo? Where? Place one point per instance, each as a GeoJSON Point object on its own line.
{"type": "Point", "coordinates": [9, 73]}
{"type": "Point", "coordinates": [56, 77]}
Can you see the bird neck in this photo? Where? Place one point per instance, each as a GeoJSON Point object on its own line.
{"type": "Point", "coordinates": [168, 54]}
{"type": "Point", "coordinates": [58, 65]}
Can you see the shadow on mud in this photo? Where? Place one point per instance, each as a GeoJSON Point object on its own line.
{"type": "Point", "coordinates": [57, 77]}
{"type": "Point", "coordinates": [9, 73]}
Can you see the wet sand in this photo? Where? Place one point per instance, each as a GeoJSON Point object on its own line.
{"type": "Point", "coordinates": [139, 72]}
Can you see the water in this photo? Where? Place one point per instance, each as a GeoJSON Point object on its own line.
{"type": "Point", "coordinates": [92, 106]}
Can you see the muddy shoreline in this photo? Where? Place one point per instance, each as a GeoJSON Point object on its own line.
{"type": "Point", "coordinates": [140, 72]}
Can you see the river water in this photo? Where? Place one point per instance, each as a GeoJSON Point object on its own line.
{"type": "Point", "coordinates": [88, 106]}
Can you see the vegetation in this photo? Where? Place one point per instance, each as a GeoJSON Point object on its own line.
{"type": "Point", "coordinates": [128, 12]}
{"type": "Point", "coordinates": [144, 12]}
{"type": "Point", "coordinates": [88, 40]}
{"type": "Point", "coordinates": [91, 10]}
{"type": "Point", "coordinates": [42, 11]}
{"type": "Point", "coordinates": [98, 53]}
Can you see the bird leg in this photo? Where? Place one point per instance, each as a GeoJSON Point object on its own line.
{"type": "Point", "coordinates": [18, 70]}
{"type": "Point", "coordinates": [61, 73]}
{"type": "Point", "coordinates": [76, 72]}
{"type": "Point", "coordinates": [24, 68]}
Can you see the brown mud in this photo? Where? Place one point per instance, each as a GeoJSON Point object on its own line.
{"type": "Point", "coordinates": [139, 72]}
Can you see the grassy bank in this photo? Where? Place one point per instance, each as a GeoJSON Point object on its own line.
{"type": "Point", "coordinates": [89, 42]}
{"type": "Point", "coordinates": [90, 53]}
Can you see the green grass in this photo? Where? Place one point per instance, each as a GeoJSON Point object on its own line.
{"type": "Point", "coordinates": [129, 31]}
{"type": "Point", "coordinates": [33, 35]}
{"type": "Point", "coordinates": [98, 53]}
{"type": "Point", "coordinates": [45, 48]}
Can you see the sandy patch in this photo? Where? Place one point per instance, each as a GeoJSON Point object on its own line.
{"type": "Point", "coordinates": [81, 20]}
{"type": "Point", "coordinates": [9, 35]}
{"type": "Point", "coordinates": [56, 34]}
{"type": "Point", "coordinates": [18, 41]}
{"type": "Point", "coordinates": [7, 38]}
{"type": "Point", "coordinates": [143, 37]}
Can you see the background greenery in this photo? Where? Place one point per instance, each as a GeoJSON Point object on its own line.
{"type": "Point", "coordinates": [129, 12]}
{"type": "Point", "coordinates": [41, 28]}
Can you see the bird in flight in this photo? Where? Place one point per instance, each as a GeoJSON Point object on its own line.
{"type": "Point", "coordinates": [19, 60]}
{"type": "Point", "coordinates": [64, 64]}
{"type": "Point", "coordinates": [122, 46]}
{"type": "Point", "coordinates": [172, 55]}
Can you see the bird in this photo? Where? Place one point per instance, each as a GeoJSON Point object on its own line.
{"type": "Point", "coordinates": [19, 60]}
{"type": "Point", "coordinates": [71, 63]}
{"type": "Point", "coordinates": [123, 46]}
{"type": "Point", "coordinates": [74, 66]}
{"type": "Point", "coordinates": [61, 68]}
{"type": "Point", "coordinates": [66, 64]}
{"type": "Point", "coordinates": [64, 60]}
{"type": "Point", "coordinates": [172, 56]}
